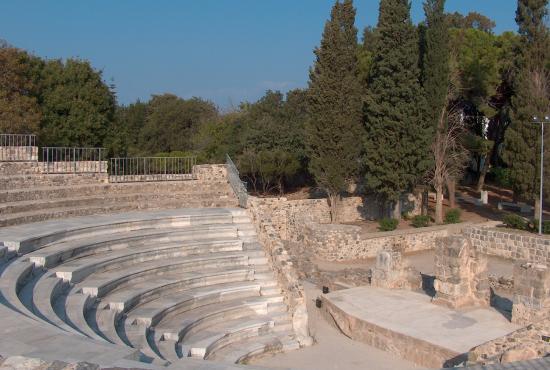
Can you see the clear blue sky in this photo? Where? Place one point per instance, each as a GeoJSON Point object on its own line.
{"type": "Point", "coordinates": [222, 50]}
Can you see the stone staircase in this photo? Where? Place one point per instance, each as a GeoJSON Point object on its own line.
{"type": "Point", "coordinates": [166, 288]}
{"type": "Point", "coordinates": [32, 197]}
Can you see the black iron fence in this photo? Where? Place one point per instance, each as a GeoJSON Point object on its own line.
{"type": "Point", "coordinates": [239, 186]}
{"type": "Point", "coordinates": [139, 169]}
{"type": "Point", "coordinates": [73, 160]}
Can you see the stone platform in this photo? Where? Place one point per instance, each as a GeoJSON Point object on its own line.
{"type": "Point", "coordinates": [409, 325]}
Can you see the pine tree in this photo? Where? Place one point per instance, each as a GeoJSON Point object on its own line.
{"type": "Point", "coordinates": [522, 140]}
{"type": "Point", "coordinates": [333, 132]}
{"type": "Point", "coordinates": [397, 136]}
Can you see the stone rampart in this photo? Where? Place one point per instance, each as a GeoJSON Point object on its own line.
{"type": "Point", "coordinates": [510, 244]}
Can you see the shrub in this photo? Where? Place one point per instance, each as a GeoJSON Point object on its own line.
{"type": "Point", "coordinates": [501, 176]}
{"type": "Point", "coordinates": [388, 224]}
{"type": "Point", "coordinates": [534, 226]}
{"type": "Point", "coordinates": [514, 221]}
{"type": "Point", "coordinates": [452, 216]}
{"type": "Point", "coordinates": [420, 221]}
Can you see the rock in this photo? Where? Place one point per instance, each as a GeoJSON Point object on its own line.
{"type": "Point", "coordinates": [518, 354]}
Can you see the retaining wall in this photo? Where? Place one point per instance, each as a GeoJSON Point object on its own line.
{"type": "Point", "coordinates": [510, 244]}
{"type": "Point", "coordinates": [18, 153]}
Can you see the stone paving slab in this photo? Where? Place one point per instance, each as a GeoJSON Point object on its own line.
{"type": "Point", "coordinates": [412, 314]}
{"type": "Point", "coordinates": [536, 364]}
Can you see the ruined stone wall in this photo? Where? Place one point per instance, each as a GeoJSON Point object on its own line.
{"type": "Point", "coordinates": [18, 153]}
{"type": "Point", "coordinates": [269, 235]}
{"type": "Point", "coordinates": [348, 242]}
{"type": "Point", "coordinates": [510, 244]}
{"type": "Point", "coordinates": [531, 293]}
{"type": "Point", "coordinates": [524, 344]}
{"type": "Point", "coordinates": [210, 172]}
{"type": "Point", "coordinates": [460, 274]}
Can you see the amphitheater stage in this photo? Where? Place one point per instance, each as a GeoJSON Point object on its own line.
{"type": "Point", "coordinates": [409, 325]}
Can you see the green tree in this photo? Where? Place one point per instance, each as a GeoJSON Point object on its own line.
{"type": "Point", "coordinates": [124, 133]}
{"type": "Point", "coordinates": [522, 140]}
{"type": "Point", "coordinates": [333, 131]}
{"type": "Point", "coordinates": [19, 109]}
{"type": "Point", "coordinates": [78, 107]}
{"type": "Point", "coordinates": [397, 141]}
{"type": "Point", "coordinates": [436, 81]}
{"type": "Point", "coordinates": [172, 122]}
{"type": "Point", "coordinates": [472, 20]}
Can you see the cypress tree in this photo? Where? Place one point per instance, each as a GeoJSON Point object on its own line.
{"type": "Point", "coordinates": [522, 139]}
{"type": "Point", "coordinates": [397, 137]}
{"type": "Point", "coordinates": [333, 132]}
{"type": "Point", "coordinates": [436, 71]}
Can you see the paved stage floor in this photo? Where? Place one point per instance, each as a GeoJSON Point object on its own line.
{"type": "Point", "coordinates": [413, 315]}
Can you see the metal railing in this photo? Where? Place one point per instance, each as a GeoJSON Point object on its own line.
{"type": "Point", "coordinates": [73, 160]}
{"type": "Point", "coordinates": [239, 186]}
{"type": "Point", "coordinates": [17, 140]}
{"type": "Point", "coordinates": [142, 169]}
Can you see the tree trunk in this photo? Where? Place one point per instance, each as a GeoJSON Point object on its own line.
{"type": "Point", "coordinates": [451, 189]}
{"type": "Point", "coordinates": [439, 205]}
{"type": "Point", "coordinates": [397, 210]}
{"type": "Point", "coordinates": [483, 174]}
{"type": "Point", "coordinates": [333, 204]}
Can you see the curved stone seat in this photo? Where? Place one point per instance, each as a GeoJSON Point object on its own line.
{"type": "Point", "coordinates": [104, 282]}
{"type": "Point", "coordinates": [12, 280]}
{"type": "Point", "coordinates": [76, 309]}
{"type": "Point", "coordinates": [154, 289]}
{"type": "Point", "coordinates": [25, 239]}
{"type": "Point", "coordinates": [57, 253]}
{"type": "Point", "coordinates": [177, 326]}
{"type": "Point", "coordinates": [78, 269]}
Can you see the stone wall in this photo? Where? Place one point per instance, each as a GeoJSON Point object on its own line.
{"type": "Point", "coordinates": [210, 172]}
{"type": "Point", "coordinates": [510, 244]}
{"type": "Point", "coordinates": [460, 274]}
{"type": "Point", "coordinates": [531, 293]}
{"type": "Point", "coordinates": [348, 242]}
{"type": "Point", "coordinates": [262, 216]}
{"type": "Point", "coordinates": [524, 344]}
{"type": "Point", "coordinates": [18, 153]}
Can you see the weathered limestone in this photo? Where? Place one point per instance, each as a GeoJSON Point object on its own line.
{"type": "Point", "coordinates": [510, 244]}
{"type": "Point", "coordinates": [391, 272]}
{"type": "Point", "coordinates": [523, 344]}
{"type": "Point", "coordinates": [531, 293]}
{"type": "Point", "coordinates": [460, 274]}
{"type": "Point", "coordinates": [170, 284]}
{"type": "Point", "coordinates": [19, 153]}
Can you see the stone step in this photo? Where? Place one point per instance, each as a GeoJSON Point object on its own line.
{"type": "Point", "coordinates": [47, 290]}
{"type": "Point", "coordinates": [77, 306]}
{"type": "Point", "coordinates": [27, 238]}
{"type": "Point", "coordinates": [107, 321]}
{"type": "Point", "coordinates": [19, 181]}
{"type": "Point", "coordinates": [90, 247]}
{"type": "Point", "coordinates": [13, 279]}
{"type": "Point", "coordinates": [80, 268]}
{"type": "Point", "coordinates": [142, 200]}
{"type": "Point", "coordinates": [174, 303]}
{"type": "Point", "coordinates": [66, 212]}
{"type": "Point", "coordinates": [169, 350]}
{"type": "Point", "coordinates": [100, 285]}
{"type": "Point", "coordinates": [214, 338]}
{"type": "Point", "coordinates": [172, 287]}
{"type": "Point", "coordinates": [183, 324]}
{"type": "Point", "coordinates": [244, 351]}
{"type": "Point", "coordinates": [160, 187]}
{"type": "Point", "coordinates": [137, 337]}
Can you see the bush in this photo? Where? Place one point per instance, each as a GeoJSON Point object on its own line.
{"type": "Point", "coordinates": [452, 216]}
{"type": "Point", "coordinates": [534, 226]}
{"type": "Point", "coordinates": [421, 221]}
{"type": "Point", "coordinates": [501, 176]}
{"type": "Point", "coordinates": [388, 224]}
{"type": "Point", "coordinates": [514, 221]}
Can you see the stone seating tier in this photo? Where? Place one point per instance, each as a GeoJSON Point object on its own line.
{"type": "Point", "coordinates": [165, 288]}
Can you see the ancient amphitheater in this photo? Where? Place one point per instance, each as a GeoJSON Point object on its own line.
{"type": "Point", "coordinates": [174, 274]}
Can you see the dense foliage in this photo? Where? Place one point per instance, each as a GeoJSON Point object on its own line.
{"type": "Point", "coordinates": [369, 114]}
